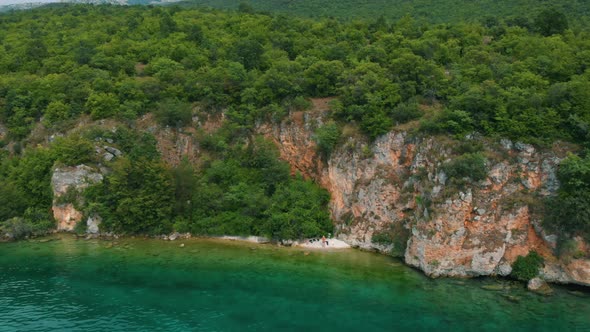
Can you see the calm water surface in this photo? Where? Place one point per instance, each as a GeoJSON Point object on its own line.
{"type": "Point", "coordinates": [209, 285]}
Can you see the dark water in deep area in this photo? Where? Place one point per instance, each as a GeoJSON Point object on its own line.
{"type": "Point", "coordinates": [210, 285]}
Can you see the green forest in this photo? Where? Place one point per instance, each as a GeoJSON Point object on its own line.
{"type": "Point", "coordinates": [526, 79]}
{"type": "Point", "coordinates": [443, 11]}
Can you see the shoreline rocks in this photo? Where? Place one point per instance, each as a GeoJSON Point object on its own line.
{"type": "Point", "coordinates": [539, 286]}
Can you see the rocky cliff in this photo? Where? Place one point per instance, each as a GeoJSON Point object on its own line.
{"type": "Point", "coordinates": [67, 183]}
{"type": "Point", "coordinates": [394, 196]}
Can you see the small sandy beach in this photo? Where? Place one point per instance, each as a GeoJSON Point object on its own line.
{"type": "Point", "coordinates": [317, 244]}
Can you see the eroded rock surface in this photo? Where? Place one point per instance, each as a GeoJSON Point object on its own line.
{"type": "Point", "coordinates": [397, 186]}
{"type": "Point", "coordinates": [70, 181]}
{"type": "Point", "coordinates": [93, 224]}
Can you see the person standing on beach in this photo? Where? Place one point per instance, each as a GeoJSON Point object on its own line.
{"type": "Point", "coordinates": [323, 241]}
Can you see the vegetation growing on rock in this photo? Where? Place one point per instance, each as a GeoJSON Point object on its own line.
{"type": "Point", "coordinates": [568, 211]}
{"type": "Point", "coordinates": [527, 267]}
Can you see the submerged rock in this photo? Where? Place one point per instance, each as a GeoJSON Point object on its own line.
{"type": "Point", "coordinates": [512, 298]}
{"type": "Point", "coordinates": [539, 286]}
{"type": "Point", "coordinates": [493, 287]}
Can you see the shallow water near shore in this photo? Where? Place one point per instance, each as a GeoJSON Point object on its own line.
{"type": "Point", "coordinates": [213, 285]}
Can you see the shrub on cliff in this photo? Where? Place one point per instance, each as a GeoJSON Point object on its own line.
{"type": "Point", "coordinates": [174, 113]}
{"type": "Point", "coordinates": [326, 138]}
{"type": "Point", "coordinates": [568, 211]}
{"type": "Point", "coordinates": [469, 165]}
{"type": "Point", "coordinates": [395, 235]}
{"type": "Point", "coordinates": [73, 150]}
{"type": "Point", "coordinates": [527, 267]}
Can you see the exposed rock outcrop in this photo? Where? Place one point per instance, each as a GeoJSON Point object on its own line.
{"type": "Point", "coordinates": [539, 285]}
{"type": "Point", "coordinates": [397, 186]}
{"type": "Point", "coordinates": [66, 183]}
{"type": "Point", "coordinates": [93, 224]}
{"type": "Point", "coordinates": [108, 153]}
{"type": "Point", "coordinates": [394, 195]}
{"type": "Point", "coordinates": [175, 144]}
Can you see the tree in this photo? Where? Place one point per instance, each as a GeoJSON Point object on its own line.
{"type": "Point", "coordinates": [102, 105]}
{"type": "Point", "coordinates": [322, 76]}
{"type": "Point", "coordinates": [298, 211]}
{"type": "Point", "coordinates": [195, 34]}
{"type": "Point", "coordinates": [175, 113]}
{"type": "Point", "coordinates": [568, 211]}
{"type": "Point", "coordinates": [167, 24]}
{"type": "Point", "coordinates": [248, 52]}
{"type": "Point", "coordinates": [551, 21]}
{"type": "Point", "coordinates": [73, 150]}
{"type": "Point", "coordinates": [137, 197]}
{"type": "Point", "coordinates": [327, 137]}
{"type": "Point", "coordinates": [56, 111]}
{"type": "Point", "coordinates": [184, 180]}
{"type": "Point", "coordinates": [13, 201]}
{"type": "Point", "coordinates": [84, 52]}
{"type": "Point", "coordinates": [471, 165]}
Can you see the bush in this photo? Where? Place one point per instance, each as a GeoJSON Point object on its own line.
{"type": "Point", "coordinates": [298, 103]}
{"type": "Point", "coordinates": [396, 236]}
{"type": "Point", "coordinates": [327, 137]}
{"type": "Point", "coordinates": [135, 198]}
{"type": "Point", "coordinates": [568, 210]}
{"type": "Point", "coordinates": [81, 227]}
{"type": "Point", "coordinates": [469, 165]}
{"type": "Point", "coordinates": [527, 267]}
{"type": "Point", "coordinates": [102, 105]}
{"type": "Point", "coordinates": [174, 113]}
{"type": "Point", "coordinates": [406, 112]}
{"type": "Point", "coordinates": [458, 123]}
{"type": "Point", "coordinates": [18, 228]}
{"type": "Point", "coordinates": [382, 238]}
{"type": "Point", "coordinates": [73, 150]}
{"type": "Point", "coordinates": [56, 111]}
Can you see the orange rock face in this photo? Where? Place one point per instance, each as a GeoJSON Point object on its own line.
{"type": "Point", "coordinates": [63, 180]}
{"type": "Point", "coordinates": [477, 230]}
{"type": "Point", "coordinates": [66, 216]}
{"type": "Point", "coordinates": [397, 186]}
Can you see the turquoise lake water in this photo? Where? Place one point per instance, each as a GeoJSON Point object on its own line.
{"type": "Point", "coordinates": [210, 285]}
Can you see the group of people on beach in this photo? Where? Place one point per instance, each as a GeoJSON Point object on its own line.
{"type": "Point", "coordinates": [324, 241]}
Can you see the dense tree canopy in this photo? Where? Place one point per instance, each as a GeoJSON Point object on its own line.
{"type": "Point", "coordinates": [523, 82]}
{"type": "Point", "coordinates": [526, 79]}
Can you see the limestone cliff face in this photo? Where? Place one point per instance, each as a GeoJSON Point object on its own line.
{"type": "Point", "coordinates": [69, 181]}
{"type": "Point", "coordinates": [397, 187]}
{"type": "Point", "coordinates": [175, 144]}
{"type": "Point", "coordinates": [394, 196]}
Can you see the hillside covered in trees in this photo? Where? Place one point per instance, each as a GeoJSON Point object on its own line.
{"type": "Point", "coordinates": [444, 11]}
{"type": "Point", "coordinates": [527, 80]}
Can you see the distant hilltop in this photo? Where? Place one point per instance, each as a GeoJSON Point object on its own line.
{"type": "Point", "coordinates": [29, 5]}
